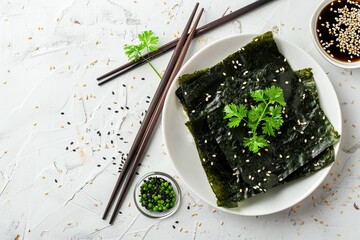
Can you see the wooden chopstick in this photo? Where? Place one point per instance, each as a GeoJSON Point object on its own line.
{"type": "Point", "coordinates": [153, 121]}
{"type": "Point", "coordinates": [152, 107]}
{"type": "Point", "coordinates": [170, 45]}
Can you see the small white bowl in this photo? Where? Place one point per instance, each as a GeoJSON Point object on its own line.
{"type": "Point", "coordinates": [314, 18]}
{"type": "Point", "coordinates": [163, 214]}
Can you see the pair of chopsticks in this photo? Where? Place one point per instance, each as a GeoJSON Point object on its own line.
{"type": "Point", "coordinates": [170, 45]}
{"type": "Point", "coordinates": [150, 119]}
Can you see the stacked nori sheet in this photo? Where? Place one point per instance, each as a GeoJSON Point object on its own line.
{"type": "Point", "coordinates": [303, 145]}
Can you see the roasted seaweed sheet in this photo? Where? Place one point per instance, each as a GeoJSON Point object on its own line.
{"type": "Point", "coordinates": [301, 147]}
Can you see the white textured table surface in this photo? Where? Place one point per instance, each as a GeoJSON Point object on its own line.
{"type": "Point", "coordinates": [59, 143]}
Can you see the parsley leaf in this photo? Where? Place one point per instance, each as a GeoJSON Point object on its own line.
{"type": "Point", "coordinates": [149, 42]}
{"type": "Point", "coordinates": [133, 52]}
{"type": "Point", "coordinates": [255, 142]}
{"type": "Point", "coordinates": [235, 113]}
{"type": "Point", "coordinates": [275, 95]}
{"type": "Point", "coordinates": [267, 115]}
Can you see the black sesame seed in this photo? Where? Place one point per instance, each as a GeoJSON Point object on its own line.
{"type": "Point", "coordinates": [173, 226]}
{"type": "Point", "coordinates": [124, 85]}
{"type": "Point", "coordinates": [68, 123]}
{"type": "Point", "coordinates": [109, 108]}
{"type": "Point", "coordinates": [113, 93]}
{"type": "Point", "coordinates": [116, 111]}
{"type": "Point", "coordinates": [67, 148]}
{"type": "Point", "coordinates": [127, 107]}
{"type": "Point", "coordinates": [62, 113]}
{"type": "Point", "coordinates": [188, 207]}
{"type": "Point", "coordinates": [142, 79]}
{"type": "Point", "coordinates": [71, 143]}
{"type": "Point", "coordinates": [176, 222]}
{"type": "Point", "coordinates": [99, 165]}
{"type": "Point", "coordinates": [55, 180]}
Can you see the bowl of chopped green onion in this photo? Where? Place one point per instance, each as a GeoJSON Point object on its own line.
{"type": "Point", "coordinates": [157, 195]}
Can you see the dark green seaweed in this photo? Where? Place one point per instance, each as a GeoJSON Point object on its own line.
{"type": "Point", "coordinates": [302, 146]}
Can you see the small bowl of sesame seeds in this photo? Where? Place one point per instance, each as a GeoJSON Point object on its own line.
{"type": "Point", "coordinates": [157, 195]}
{"type": "Point", "coordinates": [335, 29]}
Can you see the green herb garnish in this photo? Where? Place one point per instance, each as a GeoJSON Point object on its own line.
{"type": "Point", "coordinates": [148, 42]}
{"type": "Point", "coordinates": [267, 115]}
{"type": "Point", "coordinates": [157, 194]}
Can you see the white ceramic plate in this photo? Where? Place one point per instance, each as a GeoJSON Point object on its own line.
{"type": "Point", "coordinates": [182, 149]}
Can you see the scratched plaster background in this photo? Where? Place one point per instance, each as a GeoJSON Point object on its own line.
{"type": "Point", "coordinates": [63, 138]}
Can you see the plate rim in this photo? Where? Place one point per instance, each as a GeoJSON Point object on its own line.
{"type": "Point", "coordinates": [322, 173]}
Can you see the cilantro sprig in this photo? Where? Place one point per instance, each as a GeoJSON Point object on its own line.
{"type": "Point", "coordinates": [267, 115]}
{"type": "Point", "coordinates": [148, 43]}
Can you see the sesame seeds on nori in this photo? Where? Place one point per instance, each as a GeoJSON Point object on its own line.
{"type": "Point", "coordinates": [212, 128]}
